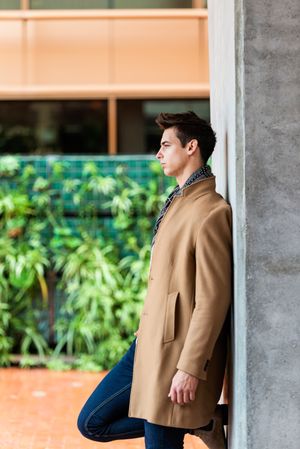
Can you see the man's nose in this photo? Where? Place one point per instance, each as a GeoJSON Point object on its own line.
{"type": "Point", "coordinates": [158, 154]}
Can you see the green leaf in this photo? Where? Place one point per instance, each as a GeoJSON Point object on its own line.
{"type": "Point", "coordinates": [40, 184]}
{"type": "Point", "coordinates": [9, 165]}
{"type": "Point", "coordinates": [23, 279]}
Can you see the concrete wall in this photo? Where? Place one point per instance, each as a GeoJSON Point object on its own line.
{"type": "Point", "coordinates": [255, 68]}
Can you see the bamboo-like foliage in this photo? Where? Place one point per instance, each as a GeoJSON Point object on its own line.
{"type": "Point", "coordinates": [101, 270]}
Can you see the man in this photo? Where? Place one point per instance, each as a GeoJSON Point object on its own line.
{"type": "Point", "coordinates": [170, 380]}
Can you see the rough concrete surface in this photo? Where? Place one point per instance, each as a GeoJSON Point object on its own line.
{"type": "Point", "coordinates": [264, 190]}
{"type": "Point", "coordinates": [272, 194]}
{"type": "Point", "coordinates": [228, 164]}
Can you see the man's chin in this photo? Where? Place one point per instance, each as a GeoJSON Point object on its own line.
{"type": "Point", "coordinates": [167, 171]}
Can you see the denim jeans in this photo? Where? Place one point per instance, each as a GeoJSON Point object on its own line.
{"type": "Point", "coordinates": [104, 416]}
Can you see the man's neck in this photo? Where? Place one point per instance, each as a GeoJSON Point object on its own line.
{"type": "Point", "coordinates": [184, 176]}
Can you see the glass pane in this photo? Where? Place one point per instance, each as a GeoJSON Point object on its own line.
{"type": "Point", "coordinates": [53, 127]}
{"type": "Point", "coordinates": [94, 4]}
{"type": "Point", "coordinates": [137, 130]}
{"type": "Point", "coordinates": [153, 4]}
{"type": "Point", "coordinates": [10, 4]}
{"type": "Point", "coordinates": [69, 4]}
{"type": "Point", "coordinates": [131, 127]}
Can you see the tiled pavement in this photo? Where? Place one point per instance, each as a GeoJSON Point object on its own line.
{"type": "Point", "coordinates": [39, 408]}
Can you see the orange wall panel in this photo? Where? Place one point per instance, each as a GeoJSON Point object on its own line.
{"type": "Point", "coordinates": [160, 51]}
{"type": "Point", "coordinates": [11, 54]}
{"type": "Point", "coordinates": [112, 55]}
{"type": "Point", "coordinates": [68, 52]}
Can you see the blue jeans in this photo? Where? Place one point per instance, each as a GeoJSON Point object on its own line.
{"type": "Point", "coordinates": [104, 416]}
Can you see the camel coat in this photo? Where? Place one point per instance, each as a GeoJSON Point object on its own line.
{"type": "Point", "coordinates": [182, 324]}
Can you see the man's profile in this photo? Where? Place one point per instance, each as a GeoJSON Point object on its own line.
{"type": "Point", "coordinates": [170, 380]}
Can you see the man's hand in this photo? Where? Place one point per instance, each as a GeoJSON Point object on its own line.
{"type": "Point", "coordinates": [183, 388]}
{"type": "Point", "coordinates": [136, 333]}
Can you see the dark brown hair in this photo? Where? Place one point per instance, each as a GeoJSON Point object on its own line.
{"type": "Point", "coordinates": [189, 126]}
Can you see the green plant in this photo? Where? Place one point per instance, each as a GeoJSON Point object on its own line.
{"type": "Point", "coordinates": [57, 364]}
{"type": "Point", "coordinates": [23, 262]}
{"type": "Point", "coordinates": [101, 270]}
{"type": "Point", "coordinates": [22, 278]}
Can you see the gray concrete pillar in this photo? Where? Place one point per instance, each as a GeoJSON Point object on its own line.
{"type": "Point", "coordinates": [255, 106]}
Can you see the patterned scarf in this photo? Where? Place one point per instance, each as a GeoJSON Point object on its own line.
{"type": "Point", "coordinates": [200, 173]}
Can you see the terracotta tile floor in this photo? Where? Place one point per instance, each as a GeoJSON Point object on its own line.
{"type": "Point", "coordinates": [39, 408]}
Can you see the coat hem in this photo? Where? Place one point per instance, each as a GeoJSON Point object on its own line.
{"type": "Point", "coordinates": [170, 423]}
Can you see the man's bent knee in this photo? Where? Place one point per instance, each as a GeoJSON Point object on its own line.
{"type": "Point", "coordinates": [89, 431]}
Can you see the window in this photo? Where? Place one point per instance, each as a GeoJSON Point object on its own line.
{"type": "Point", "coordinates": [109, 4]}
{"type": "Point", "coordinates": [58, 127]}
{"type": "Point", "coordinates": [10, 4]}
{"type": "Point", "coordinates": [81, 126]}
{"type": "Point", "coordinates": [137, 130]}
{"type": "Point", "coordinates": [104, 4]}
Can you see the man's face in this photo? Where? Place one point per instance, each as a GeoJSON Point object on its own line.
{"type": "Point", "coordinates": [172, 156]}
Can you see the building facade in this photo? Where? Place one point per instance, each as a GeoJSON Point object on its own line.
{"type": "Point", "coordinates": [91, 80]}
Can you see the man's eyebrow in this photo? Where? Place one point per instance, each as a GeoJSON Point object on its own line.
{"type": "Point", "coordinates": [165, 141]}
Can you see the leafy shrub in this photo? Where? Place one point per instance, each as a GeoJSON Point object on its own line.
{"type": "Point", "coordinates": [101, 270]}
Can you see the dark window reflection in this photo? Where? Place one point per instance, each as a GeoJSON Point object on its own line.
{"type": "Point", "coordinates": [137, 130]}
{"type": "Point", "coordinates": [91, 4]}
{"type": "Point", "coordinates": [45, 127]}
{"type": "Point", "coordinates": [10, 4]}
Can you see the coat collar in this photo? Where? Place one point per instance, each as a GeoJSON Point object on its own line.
{"type": "Point", "coordinates": [199, 187]}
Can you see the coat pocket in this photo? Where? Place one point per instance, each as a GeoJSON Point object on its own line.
{"type": "Point", "coordinates": [169, 324]}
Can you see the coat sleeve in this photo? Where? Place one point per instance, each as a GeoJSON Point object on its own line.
{"type": "Point", "coordinates": [213, 261]}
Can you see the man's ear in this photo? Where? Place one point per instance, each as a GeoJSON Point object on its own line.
{"type": "Point", "coordinates": [193, 146]}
